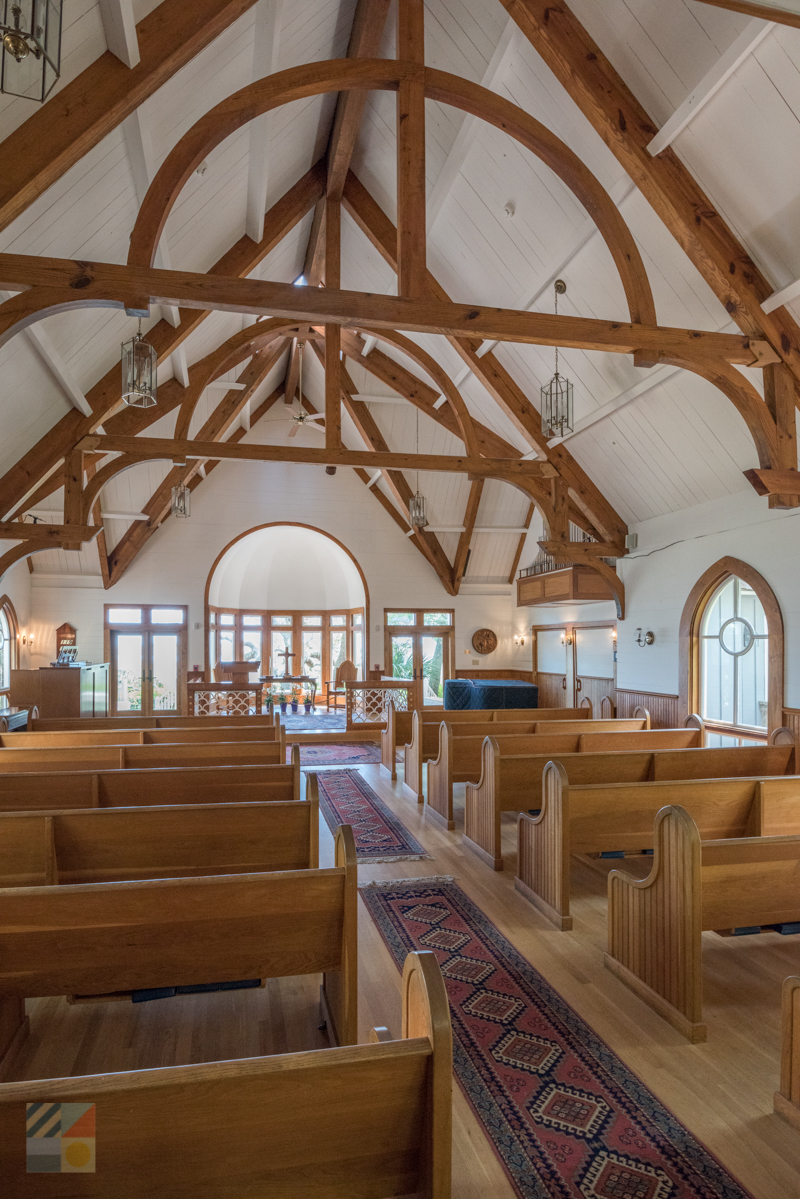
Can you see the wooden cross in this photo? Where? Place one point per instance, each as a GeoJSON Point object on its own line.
{"type": "Point", "coordinates": [286, 654]}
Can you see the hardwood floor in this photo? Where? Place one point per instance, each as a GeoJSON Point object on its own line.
{"type": "Point", "coordinates": [722, 1090]}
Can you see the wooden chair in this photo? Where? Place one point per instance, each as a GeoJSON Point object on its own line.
{"type": "Point", "coordinates": [166, 933]}
{"type": "Point", "coordinates": [655, 924]}
{"type": "Point", "coordinates": [345, 672]}
{"type": "Point", "coordinates": [370, 1120]}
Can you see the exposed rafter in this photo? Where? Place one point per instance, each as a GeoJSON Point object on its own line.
{"type": "Point", "coordinates": [781, 13]}
{"type": "Point", "coordinates": [266, 48]}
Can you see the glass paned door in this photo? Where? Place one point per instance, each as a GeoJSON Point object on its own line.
{"type": "Point", "coordinates": [127, 651]}
{"type": "Point", "coordinates": [432, 672]}
{"type": "Point", "coordinates": [162, 678]}
{"type": "Point", "coordinates": [421, 658]}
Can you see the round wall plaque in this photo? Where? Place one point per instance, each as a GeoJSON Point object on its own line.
{"type": "Point", "coordinates": [484, 641]}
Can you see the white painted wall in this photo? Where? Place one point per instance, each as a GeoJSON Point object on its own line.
{"type": "Point", "coordinates": [16, 584]}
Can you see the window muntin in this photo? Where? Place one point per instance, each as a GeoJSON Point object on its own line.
{"type": "Point", "coordinates": [734, 653]}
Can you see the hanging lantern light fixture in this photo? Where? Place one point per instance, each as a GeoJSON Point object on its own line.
{"type": "Point", "coordinates": [416, 505]}
{"type": "Point", "coordinates": [557, 410]}
{"type": "Point", "coordinates": [139, 365]}
{"type": "Point", "coordinates": [181, 501]}
{"type": "Point", "coordinates": [30, 50]}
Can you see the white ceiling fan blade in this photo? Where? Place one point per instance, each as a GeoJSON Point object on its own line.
{"type": "Point", "coordinates": [309, 419]}
{"type": "Point", "coordinates": [294, 428]}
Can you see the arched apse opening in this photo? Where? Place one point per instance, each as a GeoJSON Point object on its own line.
{"type": "Point", "coordinates": [710, 607]}
{"type": "Point", "coordinates": [286, 566]}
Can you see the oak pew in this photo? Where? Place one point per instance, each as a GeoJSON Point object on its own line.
{"type": "Point", "coordinates": [655, 925]}
{"type": "Point", "coordinates": [144, 757]}
{"type": "Point", "coordinates": [368, 1120]}
{"type": "Point", "coordinates": [614, 818]}
{"type": "Point", "coordinates": [66, 724]}
{"type": "Point", "coordinates": [513, 781]}
{"type": "Point", "coordinates": [24, 791]}
{"type": "Point", "coordinates": [104, 940]}
{"type": "Point", "coordinates": [786, 1101]}
{"type": "Point", "coordinates": [60, 848]}
{"type": "Point", "coordinates": [424, 741]}
{"type": "Point", "coordinates": [182, 736]}
{"type": "Point", "coordinates": [461, 749]}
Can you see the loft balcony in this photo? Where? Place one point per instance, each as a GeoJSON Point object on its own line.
{"type": "Point", "coordinates": [547, 581]}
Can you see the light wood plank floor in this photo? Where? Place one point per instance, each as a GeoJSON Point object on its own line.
{"type": "Point", "coordinates": [721, 1090]}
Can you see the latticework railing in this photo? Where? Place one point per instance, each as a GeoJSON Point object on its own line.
{"type": "Point", "coordinates": [222, 699]}
{"type": "Point", "coordinates": [544, 563]}
{"type": "Point", "coordinates": [366, 704]}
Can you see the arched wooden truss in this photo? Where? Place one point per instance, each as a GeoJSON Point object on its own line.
{"type": "Point", "coordinates": [51, 286]}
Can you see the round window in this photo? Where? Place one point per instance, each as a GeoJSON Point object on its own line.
{"type": "Point", "coordinates": [736, 636]}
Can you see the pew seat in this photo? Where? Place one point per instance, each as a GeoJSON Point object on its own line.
{"type": "Point", "coordinates": [655, 924]}
{"type": "Point", "coordinates": [373, 1121]}
{"type": "Point", "coordinates": [512, 781]}
{"type": "Point", "coordinates": [104, 939]}
{"type": "Point", "coordinates": [460, 751]}
{"type": "Point", "coordinates": [619, 817]}
{"type": "Point", "coordinates": [30, 791]}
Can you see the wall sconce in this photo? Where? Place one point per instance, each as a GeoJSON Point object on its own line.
{"type": "Point", "coordinates": [614, 636]}
{"type": "Point", "coordinates": [566, 638]}
{"type": "Point", "coordinates": [27, 639]}
{"type": "Point", "coordinates": [520, 641]}
{"type": "Point", "coordinates": [645, 639]}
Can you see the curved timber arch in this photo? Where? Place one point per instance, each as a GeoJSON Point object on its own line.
{"type": "Point", "coordinates": [383, 75]}
{"type": "Point", "coordinates": [743, 396]}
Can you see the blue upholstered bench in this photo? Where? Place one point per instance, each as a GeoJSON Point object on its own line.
{"type": "Point", "coordinates": [460, 694]}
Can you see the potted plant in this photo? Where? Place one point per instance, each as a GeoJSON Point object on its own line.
{"type": "Point", "coordinates": [295, 698]}
{"type": "Point", "coordinates": [309, 706]}
{"type": "Point", "coordinates": [283, 701]}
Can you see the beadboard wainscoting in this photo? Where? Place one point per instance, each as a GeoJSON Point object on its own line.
{"type": "Point", "coordinates": [664, 709]}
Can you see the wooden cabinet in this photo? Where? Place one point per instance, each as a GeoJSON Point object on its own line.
{"type": "Point", "coordinates": [579, 583]}
{"type": "Point", "coordinates": [62, 691]}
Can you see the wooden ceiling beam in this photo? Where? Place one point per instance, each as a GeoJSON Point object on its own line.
{"type": "Point", "coordinates": [523, 538]}
{"type": "Point", "coordinates": [158, 506]}
{"type": "Point", "coordinates": [465, 540]}
{"type": "Point", "coordinates": [58, 284]}
{"type": "Point", "coordinates": [410, 108]}
{"type": "Point", "coordinates": [615, 113]}
{"type": "Point", "coordinates": [104, 397]}
{"type": "Point", "coordinates": [759, 8]}
{"type": "Point", "coordinates": [83, 112]}
{"type": "Point", "coordinates": [594, 508]}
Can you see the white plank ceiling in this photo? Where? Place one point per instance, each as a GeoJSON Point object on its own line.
{"type": "Point", "coordinates": [502, 228]}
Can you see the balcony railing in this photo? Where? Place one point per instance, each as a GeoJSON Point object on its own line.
{"type": "Point", "coordinates": [545, 563]}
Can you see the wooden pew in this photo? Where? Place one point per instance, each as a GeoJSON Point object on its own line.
{"type": "Point", "coordinates": [368, 1120]}
{"type": "Point", "coordinates": [66, 724]}
{"type": "Point", "coordinates": [39, 849]}
{"type": "Point", "coordinates": [613, 818]}
{"type": "Point", "coordinates": [786, 1101]}
{"type": "Point", "coordinates": [424, 740]}
{"type": "Point", "coordinates": [209, 735]}
{"type": "Point", "coordinates": [143, 757]}
{"type": "Point", "coordinates": [512, 781]}
{"type": "Point", "coordinates": [103, 939]}
{"type": "Point", "coordinates": [23, 791]}
{"type": "Point", "coordinates": [461, 748]}
{"type": "Point", "coordinates": [655, 925]}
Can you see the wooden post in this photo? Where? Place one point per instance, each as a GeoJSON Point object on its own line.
{"type": "Point", "coordinates": [559, 492]}
{"type": "Point", "coordinates": [779, 396]}
{"type": "Point", "coordinates": [411, 231]}
{"type": "Point", "coordinates": [333, 333]}
{"type": "Point", "coordinates": [73, 493]}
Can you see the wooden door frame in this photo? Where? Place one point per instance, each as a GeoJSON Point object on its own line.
{"type": "Point", "coordinates": [419, 629]}
{"type": "Point", "coordinates": [144, 628]}
{"type": "Point", "coordinates": [689, 636]}
{"type": "Point", "coordinates": [565, 627]}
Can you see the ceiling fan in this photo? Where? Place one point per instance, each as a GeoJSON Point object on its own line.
{"type": "Point", "coordinates": [300, 417]}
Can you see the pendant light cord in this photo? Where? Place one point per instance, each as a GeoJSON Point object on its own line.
{"type": "Point", "coordinates": [417, 412]}
{"type": "Point", "coordinates": [555, 292]}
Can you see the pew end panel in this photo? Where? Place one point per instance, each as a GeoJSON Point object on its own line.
{"type": "Point", "coordinates": [786, 1101]}
{"type": "Point", "coordinates": [641, 713]}
{"type": "Point", "coordinates": [339, 990]}
{"type": "Point", "coordinates": [396, 733]}
{"type": "Point", "coordinates": [413, 757]}
{"type": "Point", "coordinates": [655, 926]}
{"type": "Point", "coordinates": [694, 721]}
{"type": "Point", "coordinates": [482, 809]}
{"type": "Point", "coordinates": [160, 1130]}
{"type": "Point", "coordinates": [543, 851]}
{"type": "Point", "coordinates": [440, 779]}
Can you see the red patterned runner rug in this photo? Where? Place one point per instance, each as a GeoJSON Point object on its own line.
{"type": "Point", "coordinates": [567, 1119]}
{"type": "Point", "coordinates": [345, 798]}
{"type": "Point", "coordinates": [357, 753]}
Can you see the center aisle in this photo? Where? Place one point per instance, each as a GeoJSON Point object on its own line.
{"type": "Point", "coordinates": [721, 1090]}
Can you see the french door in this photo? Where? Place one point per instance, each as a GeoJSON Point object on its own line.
{"type": "Point", "coordinates": [575, 662]}
{"type": "Point", "coordinates": [594, 673]}
{"type": "Point", "coordinates": [147, 654]}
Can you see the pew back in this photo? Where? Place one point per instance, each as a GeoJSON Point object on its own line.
{"type": "Point", "coordinates": [160, 1130]}
{"type": "Point", "coordinates": [25, 791]}
{"type": "Point", "coordinates": [183, 736]}
{"type": "Point", "coordinates": [76, 723]}
{"type": "Point", "coordinates": [147, 757]}
{"type": "Point", "coordinates": [118, 844]}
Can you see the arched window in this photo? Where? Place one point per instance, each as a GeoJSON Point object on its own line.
{"type": "Point", "coordinates": [731, 652]}
{"type": "Point", "coordinates": [734, 640]}
{"type": "Point", "coordinates": [8, 647]}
